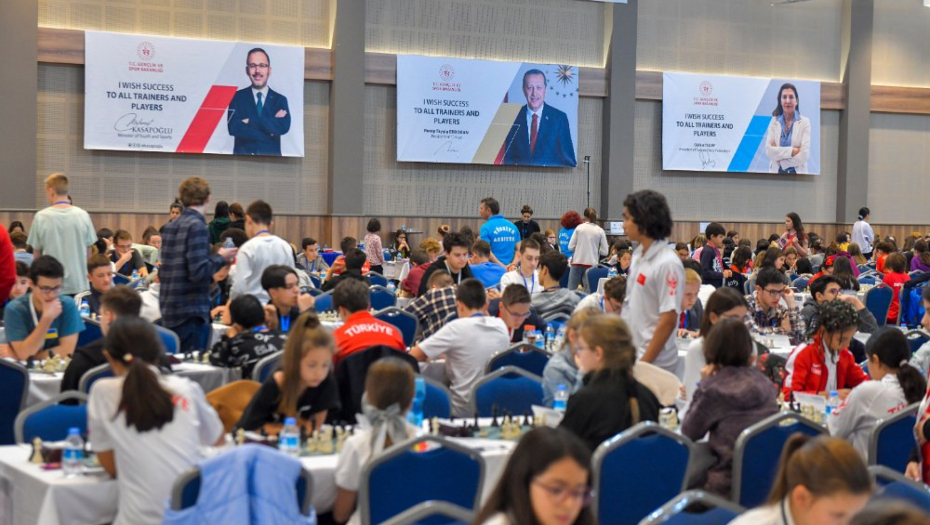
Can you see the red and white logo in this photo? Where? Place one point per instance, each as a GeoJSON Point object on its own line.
{"type": "Point", "coordinates": [706, 88]}
{"type": "Point", "coordinates": [446, 73]}
{"type": "Point", "coordinates": [672, 282]}
{"type": "Point", "coordinates": [146, 51]}
{"type": "Point", "coordinates": [641, 279]}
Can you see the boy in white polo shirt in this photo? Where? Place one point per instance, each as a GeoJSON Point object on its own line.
{"type": "Point", "coordinates": [467, 342]}
{"type": "Point", "coordinates": [526, 274]}
{"type": "Point", "coordinates": [656, 280]}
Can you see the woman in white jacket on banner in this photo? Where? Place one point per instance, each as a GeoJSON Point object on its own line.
{"type": "Point", "coordinates": [788, 141]}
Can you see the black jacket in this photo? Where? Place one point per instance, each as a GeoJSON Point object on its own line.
{"type": "Point", "coordinates": [440, 266]}
{"type": "Point", "coordinates": [84, 359]}
{"type": "Point", "coordinates": [348, 274]}
{"type": "Point", "coordinates": [350, 378]}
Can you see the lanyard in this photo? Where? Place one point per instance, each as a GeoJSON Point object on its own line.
{"type": "Point", "coordinates": [261, 232]}
{"type": "Point", "coordinates": [602, 304]}
{"type": "Point", "coordinates": [450, 272]}
{"type": "Point", "coordinates": [286, 322]}
{"type": "Point", "coordinates": [61, 202]}
{"type": "Point", "coordinates": [262, 328]}
{"type": "Point", "coordinates": [479, 314]}
{"type": "Point", "coordinates": [32, 309]}
{"type": "Point", "coordinates": [533, 280]}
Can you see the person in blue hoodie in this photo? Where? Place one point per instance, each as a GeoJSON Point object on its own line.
{"type": "Point", "coordinates": [500, 233]}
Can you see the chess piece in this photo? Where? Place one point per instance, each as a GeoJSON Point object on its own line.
{"type": "Point", "coordinates": [494, 414]}
{"type": "Point", "coordinates": [36, 451]}
{"type": "Point", "coordinates": [435, 426]}
{"type": "Point", "coordinates": [240, 436]}
{"type": "Point", "coordinates": [340, 438]}
{"type": "Point", "coordinates": [311, 443]}
{"type": "Point", "coordinates": [326, 441]}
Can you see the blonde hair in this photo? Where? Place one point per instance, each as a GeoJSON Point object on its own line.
{"type": "Point", "coordinates": [576, 321]}
{"type": "Point", "coordinates": [612, 335]}
{"type": "Point", "coordinates": [57, 182]}
{"type": "Point", "coordinates": [692, 277]}
{"type": "Point", "coordinates": [307, 335]}
{"type": "Point", "coordinates": [430, 245]}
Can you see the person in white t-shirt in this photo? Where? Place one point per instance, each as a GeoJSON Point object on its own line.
{"type": "Point", "coordinates": [146, 428]}
{"type": "Point", "coordinates": [468, 343]}
{"type": "Point", "coordinates": [895, 385]}
{"type": "Point", "coordinates": [656, 280]}
{"type": "Point", "coordinates": [389, 389]}
{"type": "Point", "coordinates": [588, 244]}
{"type": "Point", "coordinates": [526, 274]}
{"type": "Point", "coordinates": [261, 251]}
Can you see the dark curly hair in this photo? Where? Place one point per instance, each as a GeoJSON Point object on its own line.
{"type": "Point", "coordinates": [570, 219]}
{"type": "Point", "coordinates": [650, 211]}
{"type": "Point", "coordinates": [833, 316]}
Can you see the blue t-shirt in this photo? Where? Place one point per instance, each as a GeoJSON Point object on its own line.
{"type": "Point", "coordinates": [503, 236]}
{"type": "Point", "coordinates": [17, 318]}
{"type": "Point", "coordinates": [488, 273]}
{"type": "Point", "coordinates": [565, 235]}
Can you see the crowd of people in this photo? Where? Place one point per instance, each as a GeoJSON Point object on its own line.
{"type": "Point", "coordinates": [474, 295]}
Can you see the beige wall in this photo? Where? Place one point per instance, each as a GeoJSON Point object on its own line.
{"type": "Point", "coordinates": [902, 44]}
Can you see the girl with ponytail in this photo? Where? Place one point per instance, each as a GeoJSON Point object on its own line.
{"type": "Point", "coordinates": [611, 399]}
{"type": "Point", "coordinates": [820, 481]}
{"type": "Point", "coordinates": [145, 426]}
{"type": "Point", "coordinates": [894, 387]}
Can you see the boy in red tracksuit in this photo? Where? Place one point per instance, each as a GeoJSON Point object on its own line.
{"type": "Point", "coordinates": [826, 363]}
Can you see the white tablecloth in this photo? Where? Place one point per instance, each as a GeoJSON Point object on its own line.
{"type": "Point", "coordinates": [209, 377]}
{"type": "Point", "coordinates": [394, 271]}
{"type": "Point", "coordinates": [43, 387]}
{"type": "Point", "coordinates": [32, 496]}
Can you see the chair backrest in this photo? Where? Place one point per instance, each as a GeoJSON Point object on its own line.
{"type": "Point", "coordinates": [266, 365]}
{"type": "Point", "coordinates": [405, 321]}
{"type": "Point", "coordinates": [867, 279]}
{"type": "Point", "coordinates": [381, 297]}
{"type": "Point", "coordinates": [90, 333]}
{"type": "Point", "coordinates": [186, 490]}
{"type": "Point", "coordinates": [451, 472]}
{"type": "Point", "coordinates": [527, 357]}
{"type": "Point", "coordinates": [323, 302]}
{"type": "Point", "coordinates": [894, 485]}
{"type": "Point", "coordinates": [169, 339]}
{"type": "Point", "coordinates": [80, 296]}
{"type": "Point", "coordinates": [119, 279]}
{"type": "Point", "coordinates": [592, 276]}
{"type": "Point", "coordinates": [50, 421]}
{"type": "Point", "coordinates": [432, 511]}
{"type": "Point", "coordinates": [801, 283]}
{"type": "Point", "coordinates": [717, 511]}
{"type": "Point", "coordinates": [892, 439]}
{"type": "Point", "coordinates": [878, 300]}
{"type": "Point", "coordinates": [438, 402]}
{"type": "Point", "coordinates": [91, 376]}
{"type": "Point", "coordinates": [14, 385]}
{"type": "Point", "coordinates": [315, 292]}
{"type": "Point", "coordinates": [625, 482]}
{"type": "Point", "coordinates": [509, 389]}
{"type": "Point", "coordinates": [563, 282]}
{"type": "Point", "coordinates": [316, 280]}
{"type": "Point", "coordinates": [757, 451]}
{"type": "Point", "coordinates": [916, 339]}
{"type": "Point", "coordinates": [557, 316]}
{"type": "Point", "coordinates": [376, 279]}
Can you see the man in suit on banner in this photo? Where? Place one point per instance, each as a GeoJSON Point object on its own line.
{"type": "Point", "coordinates": [540, 135]}
{"type": "Point", "coordinates": [257, 115]}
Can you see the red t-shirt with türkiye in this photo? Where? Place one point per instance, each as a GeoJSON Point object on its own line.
{"type": "Point", "coordinates": [360, 331]}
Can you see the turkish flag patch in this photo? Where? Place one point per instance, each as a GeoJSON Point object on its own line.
{"type": "Point", "coordinates": [641, 279]}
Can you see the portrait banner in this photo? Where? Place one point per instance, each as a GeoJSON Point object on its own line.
{"type": "Point", "coordinates": [176, 95]}
{"type": "Point", "coordinates": [462, 111]}
{"type": "Point", "coordinates": [740, 124]}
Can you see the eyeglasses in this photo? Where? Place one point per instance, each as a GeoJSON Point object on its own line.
{"type": "Point", "coordinates": [258, 66]}
{"type": "Point", "coordinates": [124, 246]}
{"type": "Point", "coordinates": [515, 314]}
{"type": "Point", "coordinates": [559, 493]}
{"type": "Point", "coordinates": [775, 293]}
{"type": "Point", "coordinates": [49, 289]}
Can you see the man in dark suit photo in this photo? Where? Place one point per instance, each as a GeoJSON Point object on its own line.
{"type": "Point", "coordinates": [540, 135]}
{"type": "Point", "coordinates": [258, 115]}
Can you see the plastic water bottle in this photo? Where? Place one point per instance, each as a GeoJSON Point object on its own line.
{"type": "Point", "coordinates": [540, 342]}
{"type": "Point", "coordinates": [228, 243]}
{"type": "Point", "coordinates": [550, 338]}
{"type": "Point", "coordinates": [392, 287]}
{"type": "Point", "coordinates": [415, 416]}
{"type": "Point", "coordinates": [612, 272]}
{"type": "Point", "coordinates": [560, 338]}
{"type": "Point", "coordinates": [403, 227]}
{"type": "Point", "coordinates": [833, 402]}
{"type": "Point", "coordinates": [290, 438]}
{"type": "Point", "coordinates": [72, 458]}
{"type": "Point", "coordinates": [561, 398]}
{"type": "Point", "coordinates": [85, 308]}
{"type": "Point", "coordinates": [135, 275]}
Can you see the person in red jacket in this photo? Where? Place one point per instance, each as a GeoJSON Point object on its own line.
{"type": "Point", "coordinates": [826, 363]}
{"type": "Point", "coordinates": [7, 266]}
{"type": "Point", "coordinates": [360, 329]}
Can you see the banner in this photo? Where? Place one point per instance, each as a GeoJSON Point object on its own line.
{"type": "Point", "coordinates": [740, 124]}
{"type": "Point", "coordinates": [484, 112]}
{"type": "Point", "coordinates": [147, 93]}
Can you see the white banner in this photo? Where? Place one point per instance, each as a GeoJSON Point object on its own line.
{"type": "Point", "coordinates": [485, 112]}
{"type": "Point", "coordinates": [147, 93]}
{"type": "Point", "coordinates": [740, 124]}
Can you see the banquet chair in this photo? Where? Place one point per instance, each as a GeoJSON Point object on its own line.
{"type": "Point", "coordinates": [381, 297]}
{"type": "Point", "coordinates": [429, 511]}
{"type": "Point", "coordinates": [625, 469]}
{"type": "Point", "coordinates": [878, 300]}
{"type": "Point", "coordinates": [405, 321]}
{"type": "Point", "coordinates": [868, 279]}
{"type": "Point", "coordinates": [79, 297]}
{"type": "Point", "coordinates": [91, 376]}
{"type": "Point", "coordinates": [917, 338]}
{"type": "Point", "coordinates": [438, 401]}
{"type": "Point", "coordinates": [592, 276]}
{"type": "Point", "coordinates": [91, 332]}
{"type": "Point", "coordinates": [323, 302]}
{"type": "Point", "coordinates": [169, 339]}
{"type": "Point", "coordinates": [120, 279]}
{"type": "Point", "coordinates": [509, 389]}
{"type": "Point", "coordinates": [892, 439]}
{"type": "Point", "coordinates": [757, 451]}
{"type": "Point", "coordinates": [445, 471]}
{"type": "Point", "coordinates": [894, 485]}
{"type": "Point", "coordinates": [14, 388]}
{"type": "Point", "coordinates": [801, 283]}
{"type": "Point", "coordinates": [266, 365]}
{"type": "Point", "coordinates": [50, 421]}
{"type": "Point", "coordinates": [316, 280]}
{"type": "Point", "coordinates": [376, 279]}
{"type": "Point", "coordinates": [716, 510]}
{"type": "Point", "coordinates": [523, 355]}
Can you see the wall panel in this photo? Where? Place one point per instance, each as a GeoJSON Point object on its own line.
{"type": "Point", "coordinates": [899, 154]}
{"type": "Point", "coordinates": [901, 44]}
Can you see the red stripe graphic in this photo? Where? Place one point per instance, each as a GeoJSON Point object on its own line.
{"type": "Point", "coordinates": [205, 121]}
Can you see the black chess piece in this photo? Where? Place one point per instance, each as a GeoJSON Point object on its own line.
{"type": "Point", "coordinates": [527, 419]}
{"type": "Point", "coordinates": [303, 435]}
{"type": "Point", "coordinates": [477, 426]}
{"type": "Point", "coordinates": [494, 413]}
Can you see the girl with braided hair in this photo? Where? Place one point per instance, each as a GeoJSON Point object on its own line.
{"type": "Point", "coordinates": [826, 364]}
